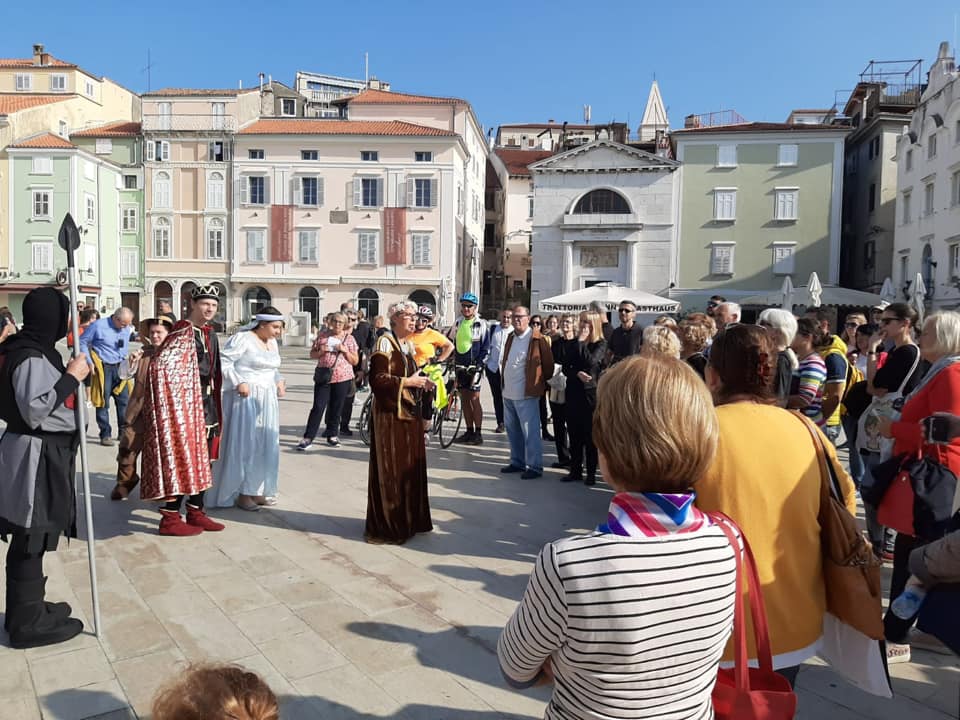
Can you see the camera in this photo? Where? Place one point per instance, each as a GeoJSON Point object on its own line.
{"type": "Point", "coordinates": [936, 429]}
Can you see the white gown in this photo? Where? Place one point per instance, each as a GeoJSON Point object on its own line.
{"type": "Point", "coordinates": [250, 444]}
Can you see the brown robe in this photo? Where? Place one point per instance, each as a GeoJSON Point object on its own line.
{"type": "Point", "coordinates": [397, 503]}
{"type": "Point", "coordinates": [131, 439]}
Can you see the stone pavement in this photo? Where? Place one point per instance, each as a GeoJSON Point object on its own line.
{"type": "Point", "coordinates": [341, 629]}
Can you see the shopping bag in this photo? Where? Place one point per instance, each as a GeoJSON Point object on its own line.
{"type": "Point", "coordinates": [858, 659]}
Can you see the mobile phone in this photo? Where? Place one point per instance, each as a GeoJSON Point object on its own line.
{"type": "Point", "coordinates": [937, 429]}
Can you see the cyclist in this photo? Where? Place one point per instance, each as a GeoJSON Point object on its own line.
{"type": "Point", "coordinates": [471, 338]}
{"type": "Point", "coordinates": [427, 342]}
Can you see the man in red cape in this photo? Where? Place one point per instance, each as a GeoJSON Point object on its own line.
{"type": "Point", "coordinates": [182, 419]}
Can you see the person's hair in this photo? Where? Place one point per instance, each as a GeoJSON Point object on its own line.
{"type": "Point", "coordinates": [379, 319]}
{"type": "Point", "coordinates": [782, 323]}
{"type": "Point", "coordinates": [824, 313]}
{"type": "Point", "coordinates": [342, 317]}
{"type": "Point", "coordinates": [345, 306]}
{"type": "Point", "coordinates": [868, 329]}
{"type": "Point", "coordinates": [407, 306]}
{"type": "Point", "coordinates": [631, 303]}
{"type": "Point", "coordinates": [597, 307]}
{"type": "Point", "coordinates": [745, 360]}
{"type": "Point", "coordinates": [268, 310]}
{"type": "Point", "coordinates": [903, 312]}
{"type": "Point", "coordinates": [678, 425]}
{"type": "Point", "coordinates": [596, 325]}
{"type": "Point", "coordinates": [666, 321]}
{"type": "Point", "coordinates": [946, 332]}
{"type": "Point", "coordinates": [123, 312]}
{"type": "Point", "coordinates": [216, 692]}
{"type": "Point", "coordinates": [732, 307]}
{"type": "Point", "coordinates": [811, 329]}
{"type": "Point", "coordinates": [718, 298]}
{"type": "Point", "coordinates": [703, 319]}
{"type": "Point", "coordinates": [855, 316]}
{"type": "Point", "coordinates": [361, 315]}
{"type": "Point", "coordinates": [86, 315]}
{"type": "Point", "coordinates": [694, 336]}
{"type": "Point", "coordinates": [165, 301]}
{"type": "Point", "coordinates": [660, 339]}
{"type": "Point", "coordinates": [551, 317]}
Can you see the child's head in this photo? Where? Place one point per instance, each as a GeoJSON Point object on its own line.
{"type": "Point", "coordinates": [216, 692]}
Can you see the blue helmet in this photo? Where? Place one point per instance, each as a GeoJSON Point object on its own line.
{"type": "Point", "coordinates": [469, 297]}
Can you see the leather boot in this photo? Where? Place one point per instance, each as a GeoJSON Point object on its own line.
{"type": "Point", "coordinates": [30, 623]}
{"type": "Point", "coordinates": [60, 609]}
{"type": "Point", "coordinates": [196, 517]}
{"type": "Point", "coordinates": [172, 525]}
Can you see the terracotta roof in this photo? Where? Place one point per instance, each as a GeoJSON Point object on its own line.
{"type": "Point", "coordinates": [45, 141]}
{"type": "Point", "coordinates": [197, 92]}
{"type": "Point", "coordinates": [518, 160]}
{"type": "Point", "coordinates": [111, 130]}
{"type": "Point", "coordinates": [386, 97]}
{"type": "Point", "coordinates": [28, 63]}
{"type": "Point", "coordinates": [11, 103]}
{"type": "Point", "coordinates": [296, 126]}
{"type": "Point", "coordinates": [760, 127]}
{"type": "Point", "coordinates": [553, 126]}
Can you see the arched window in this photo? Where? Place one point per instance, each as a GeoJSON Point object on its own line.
{"type": "Point", "coordinates": [215, 191]}
{"type": "Point", "coordinates": [254, 298]}
{"type": "Point", "coordinates": [161, 237]}
{"type": "Point", "coordinates": [309, 301]}
{"type": "Point", "coordinates": [369, 301]}
{"type": "Point", "coordinates": [422, 297]}
{"type": "Point", "coordinates": [161, 190]}
{"type": "Point", "coordinates": [215, 239]}
{"type": "Point", "coordinates": [162, 291]}
{"type": "Point", "coordinates": [601, 201]}
{"type": "Point", "coordinates": [185, 298]}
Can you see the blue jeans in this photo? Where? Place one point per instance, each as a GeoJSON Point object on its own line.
{"type": "Point", "coordinates": [880, 537]}
{"type": "Point", "coordinates": [111, 378]}
{"type": "Point", "coordinates": [856, 462]}
{"type": "Point", "coordinates": [523, 431]}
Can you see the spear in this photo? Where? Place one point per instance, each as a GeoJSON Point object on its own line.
{"type": "Point", "coordinates": [69, 240]}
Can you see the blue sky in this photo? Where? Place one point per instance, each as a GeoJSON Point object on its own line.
{"type": "Point", "coordinates": [515, 61]}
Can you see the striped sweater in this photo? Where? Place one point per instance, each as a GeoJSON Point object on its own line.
{"type": "Point", "coordinates": [634, 626]}
{"type": "Point", "coordinates": [808, 382]}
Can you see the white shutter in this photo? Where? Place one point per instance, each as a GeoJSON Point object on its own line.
{"type": "Point", "coordinates": [319, 191]}
{"type": "Point", "coordinates": [722, 260]}
{"type": "Point", "coordinates": [244, 183]}
{"type": "Point", "coordinates": [227, 150]}
{"type": "Point", "coordinates": [411, 192]}
{"type": "Point", "coordinates": [38, 263]}
{"type": "Point", "coordinates": [296, 192]}
{"type": "Point", "coordinates": [266, 190]}
{"type": "Point", "coordinates": [783, 259]}
{"type": "Point", "coordinates": [148, 150]}
{"type": "Point", "coordinates": [434, 192]}
{"type": "Point", "coordinates": [357, 192]}
{"type": "Point", "coordinates": [380, 201]}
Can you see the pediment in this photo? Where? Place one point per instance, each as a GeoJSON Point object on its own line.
{"type": "Point", "coordinates": [603, 155]}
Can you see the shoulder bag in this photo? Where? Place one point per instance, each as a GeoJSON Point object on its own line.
{"type": "Point", "coordinates": [918, 500]}
{"type": "Point", "coordinates": [869, 439]}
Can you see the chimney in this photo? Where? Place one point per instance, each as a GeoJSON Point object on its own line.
{"type": "Point", "coordinates": [261, 83]}
{"type": "Point", "coordinates": [241, 84]}
{"type": "Point", "coordinates": [374, 83]}
{"type": "Point", "coordinates": [691, 121]}
{"type": "Point", "coordinates": [39, 56]}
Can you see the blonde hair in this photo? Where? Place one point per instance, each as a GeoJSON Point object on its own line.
{"type": "Point", "coordinates": [661, 339]}
{"type": "Point", "coordinates": [677, 423]}
{"type": "Point", "coordinates": [596, 325]}
{"type": "Point", "coordinates": [216, 692]}
{"type": "Point", "coordinates": [946, 332]}
{"type": "Point", "coordinates": [665, 321]}
{"type": "Point", "coordinates": [694, 336]}
{"type": "Point", "coordinates": [703, 319]}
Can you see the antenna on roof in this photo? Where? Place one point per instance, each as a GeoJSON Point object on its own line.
{"type": "Point", "coordinates": [147, 69]}
{"type": "Point", "coordinates": [366, 67]}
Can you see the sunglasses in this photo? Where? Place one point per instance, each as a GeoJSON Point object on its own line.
{"type": "Point", "coordinates": [538, 323]}
{"type": "Point", "coordinates": [625, 310]}
{"type": "Point", "coordinates": [712, 304]}
{"type": "Point", "coordinates": [851, 324]}
{"type": "Point", "coordinates": [467, 306]}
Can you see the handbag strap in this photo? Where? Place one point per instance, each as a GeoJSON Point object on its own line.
{"type": "Point", "coordinates": [829, 482]}
{"type": "Point", "coordinates": [746, 566]}
{"type": "Point", "coordinates": [913, 369]}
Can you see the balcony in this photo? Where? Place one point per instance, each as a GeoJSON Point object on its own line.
{"type": "Point", "coordinates": [328, 96]}
{"type": "Point", "coordinates": [631, 220]}
{"type": "Point", "coordinates": [189, 123]}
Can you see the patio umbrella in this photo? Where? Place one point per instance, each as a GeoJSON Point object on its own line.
{"type": "Point", "coordinates": [888, 293]}
{"type": "Point", "coordinates": [786, 291]}
{"type": "Point", "coordinates": [919, 296]}
{"type": "Point", "coordinates": [814, 289]}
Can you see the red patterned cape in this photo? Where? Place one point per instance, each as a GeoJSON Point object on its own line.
{"type": "Point", "coordinates": [175, 459]}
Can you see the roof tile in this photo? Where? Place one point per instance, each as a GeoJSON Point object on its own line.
{"type": "Point", "coordinates": [28, 63]}
{"type": "Point", "coordinates": [46, 141]}
{"type": "Point", "coordinates": [295, 126]}
{"type": "Point", "coordinates": [760, 127]}
{"type": "Point", "coordinates": [122, 128]}
{"type": "Point", "coordinates": [518, 160]}
{"type": "Point", "coordinates": [387, 97]}
{"type": "Point", "coordinates": [11, 103]}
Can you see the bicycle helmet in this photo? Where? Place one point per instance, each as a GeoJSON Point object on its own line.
{"type": "Point", "coordinates": [469, 297]}
{"type": "Point", "coordinates": [424, 311]}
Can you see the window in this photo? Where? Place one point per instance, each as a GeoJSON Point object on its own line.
{"type": "Point", "coordinates": [367, 192]}
{"type": "Point", "coordinates": [217, 151]}
{"type": "Point", "coordinates": [255, 154]}
{"type": "Point", "coordinates": [58, 83]}
{"type": "Point", "coordinates": [288, 107]}
{"type": "Point", "coordinates": [42, 257]}
{"type": "Point", "coordinates": [530, 206]}
{"type": "Point", "coordinates": [130, 182]}
{"type": "Point", "coordinates": [908, 161]}
{"type": "Point", "coordinates": [421, 248]}
{"type": "Point", "coordinates": [786, 204]}
{"type": "Point", "coordinates": [954, 255]}
{"type": "Point", "coordinates": [254, 190]}
{"type": "Point", "coordinates": [307, 247]}
{"type": "Point", "coordinates": [157, 150]}
{"type": "Point", "coordinates": [309, 155]}
{"type": "Point", "coordinates": [726, 155]}
{"type": "Point", "coordinates": [932, 146]}
{"type": "Point", "coordinates": [161, 238]}
{"type": "Point", "coordinates": [216, 191]}
{"type": "Point", "coordinates": [601, 202]}
{"type": "Point", "coordinates": [459, 200]}
{"type": "Point", "coordinates": [787, 155]}
{"type": "Point", "coordinates": [128, 218]}
{"type": "Point", "coordinates": [64, 129]}
{"type": "Point", "coordinates": [421, 193]}
{"type": "Point", "coordinates": [869, 254]}
{"type": "Point", "coordinates": [423, 156]}
{"type": "Point", "coordinates": [219, 112]}
{"type": "Point", "coordinates": [955, 189]}
{"type": "Point", "coordinates": [42, 204]}
{"type": "Point", "coordinates": [88, 88]}
{"type": "Point", "coordinates": [872, 197]}
{"type": "Point", "coordinates": [721, 259]}
{"type": "Point", "coordinates": [215, 239]}
{"type": "Point", "coordinates": [90, 204]}
{"type": "Point", "coordinates": [367, 248]}
{"type": "Point", "coordinates": [161, 190]}
{"type": "Point", "coordinates": [783, 258]}
{"type": "Point", "coordinates": [928, 199]}
{"type": "Point", "coordinates": [308, 191]}
{"type": "Point", "coordinates": [725, 204]}
{"type": "Point", "coordinates": [256, 246]}
{"type": "Point", "coordinates": [906, 208]}
{"type": "Point", "coordinates": [369, 155]}
{"type": "Point", "coordinates": [129, 262]}
{"type": "Point", "coordinates": [42, 165]}
{"type": "Point", "coordinates": [874, 148]}
{"type": "Point", "coordinates": [104, 146]}
{"type": "Point", "coordinates": [24, 81]}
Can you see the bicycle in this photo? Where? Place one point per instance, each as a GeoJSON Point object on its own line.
{"type": "Point", "coordinates": [363, 423]}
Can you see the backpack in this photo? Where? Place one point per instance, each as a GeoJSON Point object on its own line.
{"type": "Point", "coordinates": [853, 373]}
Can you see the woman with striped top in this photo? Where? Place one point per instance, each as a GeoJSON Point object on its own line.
{"type": "Point", "coordinates": [806, 391]}
{"type": "Point", "coordinates": [630, 621]}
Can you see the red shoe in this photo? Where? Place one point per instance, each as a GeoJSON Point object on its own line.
{"type": "Point", "coordinates": [198, 518]}
{"type": "Point", "coordinates": [172, 525]}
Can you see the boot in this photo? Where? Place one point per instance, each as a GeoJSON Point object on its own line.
{"type": "Point", "coordinates": [196, 517]}
{"type": "Point", "coordinates": [60, 609]}
{"type": "Point", "coordinates": [30, 623]}
{"type": "Point", "coordinates": [172, 525]}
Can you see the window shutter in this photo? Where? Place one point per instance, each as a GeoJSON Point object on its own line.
{"type": "Point", "coordinates": [319, 191]}
{"type": "Point", "coordinates": [357, 192]}
{"type": "Point", "coordinates": [251, 249]}
{"type": "Point", "coordinates": [227, 150]}
{"type": "Point", "coordinates": [147, 147]}
{"type": "Point", "coordinates": [434, 192]}
{"type": "Point", "coordinates": [379, 201]}
{"type": "Point", "coordinates": [411, 192]}
{"type": "Point", "coordinates": [37, 256]}
{"type": "Point", "coordinates": [296, 190]}
{"type": "Point", "coordinates": [244, 188]}
{"type": "Point", "coordinates": [266, 190]}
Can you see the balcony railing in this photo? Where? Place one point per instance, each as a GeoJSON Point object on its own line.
{"type": "Point", "coordinates": [180, 122]}
{"type": "Point", "coordinates": [328, 96]}
{"type": "Point", "coordinates": [608, 219]}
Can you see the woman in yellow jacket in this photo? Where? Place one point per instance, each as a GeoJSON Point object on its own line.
{"type": "Point", "coordinates": [766, 477]}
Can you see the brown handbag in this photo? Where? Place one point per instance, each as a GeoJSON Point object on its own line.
{"type": "Point", "coordinates": [851, 572]}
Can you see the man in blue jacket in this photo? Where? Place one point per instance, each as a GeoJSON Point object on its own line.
{"type": "Point", "coordinates": [109, 338]}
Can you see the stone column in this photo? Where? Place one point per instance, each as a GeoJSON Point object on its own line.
{"type": "Point", "coordinates": [567, 269]}
{"type": "Point", "coordinates": [632, 263]}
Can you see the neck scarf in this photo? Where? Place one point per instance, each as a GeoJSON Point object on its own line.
{"type": "Point", "coordinates": [653, 514]}
{"type": "Point", "coordinates": [464, 336]}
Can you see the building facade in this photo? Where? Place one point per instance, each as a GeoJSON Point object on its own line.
{"type": "Point", "coordinates": [603, 212]}
{"type": "Point", "coordinates": [758, 201]}
{"type": "Point", "coordinates": [927, 239]}
{"type": "Point", "coordinates": [321, 92]}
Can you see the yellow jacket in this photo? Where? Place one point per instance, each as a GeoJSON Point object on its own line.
{"type": "Point", "coordinates": [96, 382]}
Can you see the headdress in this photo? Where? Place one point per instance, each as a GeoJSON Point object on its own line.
{"type": "Point", "coordinates": [202, 292]}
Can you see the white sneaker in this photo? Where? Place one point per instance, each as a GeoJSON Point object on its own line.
{"type": "Point", "coordinates": [926, 641]}
{"type": "Point", "coordinates": [897, 653]}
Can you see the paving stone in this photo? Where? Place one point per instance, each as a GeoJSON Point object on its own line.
{"type": "Point", "coordinates": [269, 623]}
{"type": "Point", "coordinates": [70, 670]}
{"type": "Point", "coordinates": [141, 676]}
{"type": "Point", "coordinates": [82, 703]}
{"type": "Point", "coordinates": [301, 655]}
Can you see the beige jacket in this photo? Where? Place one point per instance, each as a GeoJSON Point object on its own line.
{"type": "Point", "coordinates": [938, 562]}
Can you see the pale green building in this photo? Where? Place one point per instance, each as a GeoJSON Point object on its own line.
{"type": "Point", "coordinates": [758, 202]}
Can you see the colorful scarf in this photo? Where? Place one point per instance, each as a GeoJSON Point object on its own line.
{"type": "Point", "coordinates": [653, 514]}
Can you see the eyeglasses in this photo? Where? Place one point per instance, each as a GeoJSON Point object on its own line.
{"type": "Point", "coordinates": [851, 324]}
{"type": "Point", "coordinates": [626, 310]}
{"type": "Point", "coordinates": [712, 304]}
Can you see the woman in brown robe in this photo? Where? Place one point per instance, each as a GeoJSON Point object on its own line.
{"type": "Point", "coordinates": [397, 504]}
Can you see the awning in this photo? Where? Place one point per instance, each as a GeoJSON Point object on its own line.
{"type": "Point", "coordinates": [830, 296]}
{"type": "Point", "coordinates": [610, 295]}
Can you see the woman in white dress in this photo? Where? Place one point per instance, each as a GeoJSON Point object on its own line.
{"type": "Point", "coordinates": [246, 474]}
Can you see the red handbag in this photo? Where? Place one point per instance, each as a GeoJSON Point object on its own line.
{"type": "Point", "coordinates": [896, 509]}
{"type": "Point", "coordinates": [746, 693]}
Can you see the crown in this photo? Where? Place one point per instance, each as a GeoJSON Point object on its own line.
{"type": "Point", "coordinates": [205, 291]}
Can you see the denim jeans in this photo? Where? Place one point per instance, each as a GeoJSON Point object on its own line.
{"type": "Point", "coordinates": [880, 537]}
{"type": "Point", "coordinates": [832, 432]}
{"type": "Point", "coordinates": [111, 378]}
{"type": "Point", "coordinates": [850, 429]}
{"type": "Point", "coordinates": [523, 431]}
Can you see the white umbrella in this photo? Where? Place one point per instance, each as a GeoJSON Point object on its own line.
{"type": "Point", "coordinates": [888, 293]}
{"type": "Point", "coordinates": [787, 292]}
{"type": "Point", "coordinates": [919, 295]}
{"type": "Point", "coordinates": [610, 295]}
{"type": "Point", "coordinates": [814, 289]}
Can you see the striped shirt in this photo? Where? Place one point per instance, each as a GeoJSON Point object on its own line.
{"type": "Point", "coordinates": [634, 626]}
{"type": "Point", "coordinates": [808, 381]}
